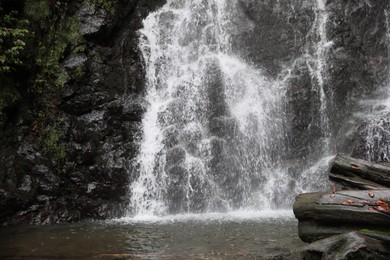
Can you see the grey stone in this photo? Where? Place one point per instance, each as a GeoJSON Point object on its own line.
{"type": "Point", "coordinates": [91, 20]}
{"type": "Point", "coordinates": [26, 184]}
{"type": "Point", "coordinates": [75, 60]}
{"type": "Point", "coordinates": [352, 245]}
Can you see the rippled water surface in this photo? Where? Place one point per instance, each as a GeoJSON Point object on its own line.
{"type": "Point", "coordinates": [212, 236]}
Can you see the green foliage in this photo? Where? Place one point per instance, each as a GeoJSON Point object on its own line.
{"type": "Point", "coordinates": [13, 33]}
{"type": "Point", "coordinates": [37, 9]}
{"type": "Point", "coordinates": [62, 78]}
{"type": "Point", "coordinates": [35, 36]}
{"type": "Point", "coordinates": [55, 35]}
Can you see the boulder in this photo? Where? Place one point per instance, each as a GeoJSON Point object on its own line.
{"type": "Point", "coordinates": [351, 245]}
{"type": "Point", "coordinates": [90, 18]}
{"type": "Point", "coordinates": [320, 213]}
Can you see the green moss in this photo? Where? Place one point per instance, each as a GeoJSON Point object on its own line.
{"type": "Point", "coordinates": [62, 79]}
{"type": "Point", "coordinates": [108, 6]}
{"type": "Point", "coordinates": [50, 141]}
{"type": "Point", "coordinates": [377, 232]}
{"type": "Point", "coordinates": [79, 49]}
{"type": "Point", "coordinates": [78, 73]}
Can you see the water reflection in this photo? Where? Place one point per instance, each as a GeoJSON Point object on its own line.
{"type": "Point", "coordinates": [174, 238]}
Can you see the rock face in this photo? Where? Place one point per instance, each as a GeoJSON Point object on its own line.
{"type": "Point", "coordinates": [322, 215]}
{"type": "Point", "coordinates": [81, 171]}
{"type": "Point", "coordinates": [358, 64]}
{"type": "Point", "coordinates": [352, 39]}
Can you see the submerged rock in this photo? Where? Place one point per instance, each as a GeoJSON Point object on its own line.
{"type": "Point", "coordinates": [353, 245]}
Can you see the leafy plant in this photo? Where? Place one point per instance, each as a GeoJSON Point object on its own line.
{"type": "Point", "coordinates": [55, 32]}
{"type": "Point", "coordinates": [37, 9]}
{"type": "Point", "coordinates": [13, 36]}
{"type": "Point", "coordinates": [13, 33]}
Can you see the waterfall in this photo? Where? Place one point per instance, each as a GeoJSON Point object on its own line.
{"type": "Point", "coordinates": [375, 112]}
{"type": "Point", "coordinates": [314, 174]}
{"type": "Point", "coordinates": [316, 62]}
{"type": "Point", "coordinates": [214, 134]}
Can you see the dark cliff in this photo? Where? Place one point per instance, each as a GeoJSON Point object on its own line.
{"type": "Point", "coordinates": [65, 152]}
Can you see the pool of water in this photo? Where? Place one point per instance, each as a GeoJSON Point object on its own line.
{"type": "Point", "coordinates": [238, 235]}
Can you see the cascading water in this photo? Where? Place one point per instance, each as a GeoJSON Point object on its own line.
{"type": "Point", "coordinates": [317, 66]}
{"type": "Point", "coordinates": [214, 132]}
{"type": "Point", "coordinates": [313, 176]}
{"type": "Point", "coordinates": [375, 111]}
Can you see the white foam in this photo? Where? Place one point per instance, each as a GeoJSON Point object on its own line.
{"type": "Point", "coordinates": [240, 215]}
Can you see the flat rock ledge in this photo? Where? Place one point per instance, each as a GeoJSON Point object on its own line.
{"type": "Point", "coordinates": [352, 222]}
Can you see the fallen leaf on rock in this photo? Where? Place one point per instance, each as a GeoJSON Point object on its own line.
{"type": "Point", "coordinates": [347, 202]}
{"type": "Point", "coordinates": [355, 166]}
{"type": "Point", "coordinates": [382, 205]}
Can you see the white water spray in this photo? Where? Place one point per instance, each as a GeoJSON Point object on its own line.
{"type": "Point", "coordinates": [212, 125]}
{"type": "Point", "coordinates": [318, 68]}
{"type": "Point", "coordinates": [214, 134]}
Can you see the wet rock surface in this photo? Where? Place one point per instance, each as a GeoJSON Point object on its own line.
{"type": "Point", "coordinates": [351, 223]}
{"type": "Point", "coordinates": [95, 126]}
{"type": "Point", "coordinates": [359, 69]}
{"type": "Point", "coordinates": [281, 38]}
{"type": "Point", "coordinates": [352, 245]}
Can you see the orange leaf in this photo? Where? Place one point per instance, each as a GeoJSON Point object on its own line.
{"type": "Point", "coordinates": [346, 202]}
{"type": "Point", "coordinates": [382, 205]}
{"type": "Point", "coordinates": [355, 166]}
